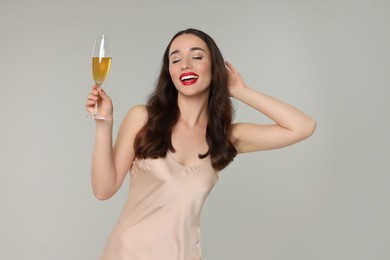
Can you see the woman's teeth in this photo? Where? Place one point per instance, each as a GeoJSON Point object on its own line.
{"type": "Point", "coordinates": [189, 77]}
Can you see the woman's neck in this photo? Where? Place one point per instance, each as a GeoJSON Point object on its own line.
{"type": "Point", "coordinates": [193, 110]}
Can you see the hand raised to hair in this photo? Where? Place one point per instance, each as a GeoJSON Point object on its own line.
{"type": "Point", "coordinates": [235, 81]}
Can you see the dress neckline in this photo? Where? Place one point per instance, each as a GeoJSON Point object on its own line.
{"type": "Point", "coordinates": [194, 165]}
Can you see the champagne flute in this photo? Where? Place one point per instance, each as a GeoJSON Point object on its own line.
{"type": "Point", "coordinates": [101, 61]}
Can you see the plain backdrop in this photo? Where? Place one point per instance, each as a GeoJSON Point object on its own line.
{"type": "Point", "coordinates": [324, 198]}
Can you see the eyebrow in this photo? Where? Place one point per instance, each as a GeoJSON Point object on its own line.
{"type": "Point", "coordinates": [192, 49]}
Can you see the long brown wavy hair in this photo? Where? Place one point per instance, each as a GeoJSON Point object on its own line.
{"type": "Point", "coordinates": [154, 139]}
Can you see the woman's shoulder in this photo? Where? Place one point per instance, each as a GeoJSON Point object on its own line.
{"type": "Point", "coordinates": [138, 111]}
{"type": "Point", "coordinates": [136, 116]}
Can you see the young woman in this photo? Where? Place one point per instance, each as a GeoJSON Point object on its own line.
{"type": "Point", "coordinates": [176, 145]}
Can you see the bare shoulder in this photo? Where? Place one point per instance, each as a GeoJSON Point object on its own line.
{"type": "Point", "coordinates": [135, 119]}
{"type": "Point", "coordinates": [137, 113]}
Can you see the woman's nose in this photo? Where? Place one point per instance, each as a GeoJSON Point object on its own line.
{"type": "Point", "coordinates": [186, 64]}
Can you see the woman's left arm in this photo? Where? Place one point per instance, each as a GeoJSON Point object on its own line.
{"type": "Point", "coordinates": [291, 125]}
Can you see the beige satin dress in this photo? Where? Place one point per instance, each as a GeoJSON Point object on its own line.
{"type": "Point", "coordinates": [161, 218]}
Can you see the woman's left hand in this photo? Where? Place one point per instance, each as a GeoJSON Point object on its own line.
{"type": "Point", "coordinates": [235, 81]}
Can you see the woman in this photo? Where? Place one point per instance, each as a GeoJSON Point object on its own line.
{"type": "Point", "coordinates": [176, 145]}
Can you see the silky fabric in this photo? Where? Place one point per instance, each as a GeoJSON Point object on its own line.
{"type": "Point", "coordinates": [161, 218]}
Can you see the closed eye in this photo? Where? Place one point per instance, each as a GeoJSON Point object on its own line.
{"type": "Point", "coordinates": [175, 61]}
{"type": "Point", "coordinates": [197, 58]}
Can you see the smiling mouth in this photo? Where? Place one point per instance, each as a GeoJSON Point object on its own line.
{"type": "Point", "coordinates": [188, 78]}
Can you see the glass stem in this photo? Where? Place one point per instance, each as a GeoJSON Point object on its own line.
{"type": "Point", "coordinates": [95, 111]}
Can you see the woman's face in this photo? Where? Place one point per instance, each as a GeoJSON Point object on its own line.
{"type": "Point", "coordinates": [190, 64]}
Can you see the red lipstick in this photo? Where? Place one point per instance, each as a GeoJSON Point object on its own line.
{"type": "Point", "coordinates": [188, 78]}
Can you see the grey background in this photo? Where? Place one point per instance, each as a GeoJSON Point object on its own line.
{"type": "Point", "coordinates": [324, 198]}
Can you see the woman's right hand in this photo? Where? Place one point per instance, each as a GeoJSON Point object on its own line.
{"type": "Point", "coordinates": [105, 107]}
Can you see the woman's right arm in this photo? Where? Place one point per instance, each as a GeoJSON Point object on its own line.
{"type": "Point", "coordinates": [110, 164]}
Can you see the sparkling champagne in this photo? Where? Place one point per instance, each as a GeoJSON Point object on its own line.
{"type": "Point", "coordinates": [100, 69]}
